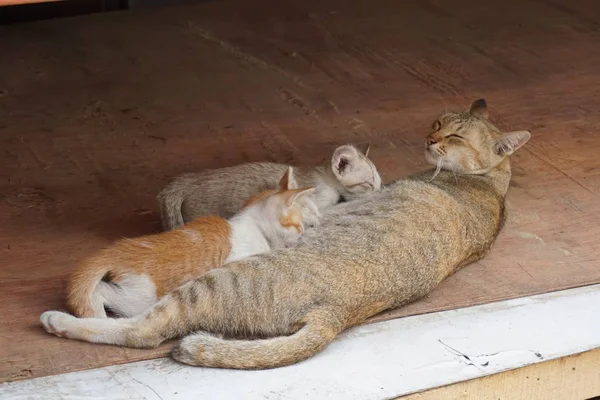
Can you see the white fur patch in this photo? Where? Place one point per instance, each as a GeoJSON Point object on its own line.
{"type": "Point", "coordinates": [131, 296]}
{"type": "Point", "coordinates": [246, 238]}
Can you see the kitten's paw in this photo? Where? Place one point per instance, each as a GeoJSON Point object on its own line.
{"type": "Point", "coordinates": [311, 216]}
{"type": "Point", "coordinates": [56, 322]}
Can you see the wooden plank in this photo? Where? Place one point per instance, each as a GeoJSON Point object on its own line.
{"type": "Point", "coordinates": [95, 118]}
{"type": "Point", "coordinates": [574, 377]}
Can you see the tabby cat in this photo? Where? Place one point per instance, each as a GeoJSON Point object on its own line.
{"type": "Point", "coordinates": [368, 255]}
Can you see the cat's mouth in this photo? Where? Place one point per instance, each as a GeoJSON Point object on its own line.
{"type": "Point", "coordinates": [433, 156]}
{"type": "Point", "coordinates": [436, 149]}
{"type": "Point", "coordinates": [439, 159]}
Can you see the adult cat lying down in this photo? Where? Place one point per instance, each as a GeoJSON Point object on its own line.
{"type": "Point", "coordinates": [368, 255]}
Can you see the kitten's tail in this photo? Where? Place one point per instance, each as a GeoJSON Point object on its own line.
{"type": "Point", "coordinates": [170, 200]}
{"type": "Point", "coordinates": [204, 349]}
{"type": "Point", "coordinates": [80, 291]}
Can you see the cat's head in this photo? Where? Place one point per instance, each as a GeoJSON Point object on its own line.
{"type": "Point", "coordinates": [356, 174]}
{"type": "Point", "coordinates": [287, 211]}
{"type": "Point", "coordinates": [468, 143]}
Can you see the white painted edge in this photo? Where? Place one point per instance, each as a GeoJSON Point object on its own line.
{"type": "Point", "coordinates": [377, 361]}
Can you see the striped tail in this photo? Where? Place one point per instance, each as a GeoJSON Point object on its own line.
{"type": "Point", "coordinates": [169, 203]}
{"type": "Point", "coordinates": [204, 349]}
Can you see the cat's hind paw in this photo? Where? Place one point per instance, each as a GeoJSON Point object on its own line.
{"type": "Point", "coordinates": [56, 322]}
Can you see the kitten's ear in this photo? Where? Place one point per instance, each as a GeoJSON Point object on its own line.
{"type": "Point", "coordinates": [511, 142]}
{"type": "Point", "coordinates": [289, 197]}
{"type": "Point", "coordinates": [363, 148]}
{"type": "Point", "coordinates": [479, 108]}
{"type": "Point", "coordinates": [288, 182]}
{"type": "Point", "coordinates": [342, 160]}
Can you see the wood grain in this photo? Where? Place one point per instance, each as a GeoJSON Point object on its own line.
{"type": "Point", "coordinates": [98, 112]}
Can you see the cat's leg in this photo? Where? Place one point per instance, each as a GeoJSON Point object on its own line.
{"type": "Point", "coordinates": [167, 319]}
{"type": "Point", "coordinates": [207, 303]}
{"type": "Point", "coordinates": [97, 330]}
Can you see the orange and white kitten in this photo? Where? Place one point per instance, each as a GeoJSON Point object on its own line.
{"type": "Point", "coordinates": [131, 275]}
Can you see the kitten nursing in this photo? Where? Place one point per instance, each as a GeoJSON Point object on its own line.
{"type": "Point", "coordinates": [129, 276]}
{"type": "Point", "coordinates": [223, 191]}
{"type": "Point", "coordinates": [367, 256]}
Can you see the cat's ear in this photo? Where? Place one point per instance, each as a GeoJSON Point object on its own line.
{"type": "Point", "coordinates": [289, 197]}
{"type": "Point", "coordinates": [288, 182]}
{"type": "Point", "coordinates": [479, 108]}
{"type": "Point", "coordinates": [363, 148]}
{"type": "Point", "coordinates": [343, 159]}
{"type": "Point", "coordinates": [511, 142]}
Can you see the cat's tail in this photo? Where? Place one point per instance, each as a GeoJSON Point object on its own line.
{"type": "Point", "coordinates": [82, 284]}
{"type": "Point", "coordinates": [204, 349]}
{"type": "Point", "coordinates": [170, 200]}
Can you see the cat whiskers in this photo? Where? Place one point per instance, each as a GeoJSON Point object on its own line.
{"type": "Point", "coordinates": [438, 168]}
{"type": "Point", "coordinates": [454, 173]}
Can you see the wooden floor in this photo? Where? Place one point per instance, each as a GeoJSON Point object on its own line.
{"type": "Point", "coordinates": [98, 112]}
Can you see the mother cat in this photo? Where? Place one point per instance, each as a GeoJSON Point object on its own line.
{"type": "Point", "coordinates": [368, 255]}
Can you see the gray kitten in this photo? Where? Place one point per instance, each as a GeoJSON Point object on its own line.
{"type": "Point", "coordinates": [222, 192]}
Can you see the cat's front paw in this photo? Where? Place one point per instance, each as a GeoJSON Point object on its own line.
{"type": "Point", "coordinates": [311, 216]}
{"type": "Point", "coordinates": [56, 322]}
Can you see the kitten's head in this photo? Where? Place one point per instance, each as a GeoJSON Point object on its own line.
{"type": "Point", "coordinates": [285, 212]}
{"type": "Point", "coordinates": [356, 174]}
{"type": "Point", "coordinates": [467, 143]}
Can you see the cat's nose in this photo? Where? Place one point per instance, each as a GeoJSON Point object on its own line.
{"type": "Point", "coordinates": [429, 141]}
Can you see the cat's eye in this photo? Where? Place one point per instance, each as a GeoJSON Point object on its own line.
{"type": "Point", "coordinates": [359, 187]}
{"type": "Point", "coordinates": [455, 136]}
{"type": "Point", "coordinates": [437, 125]}
{"type": "Point", "coordinates": [367, 187]}
{"type": "Point", "coordinates": [362, 184]}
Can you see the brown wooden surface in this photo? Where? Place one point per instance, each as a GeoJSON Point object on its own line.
{"type": "Point", "coordinates": [98, 112]}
